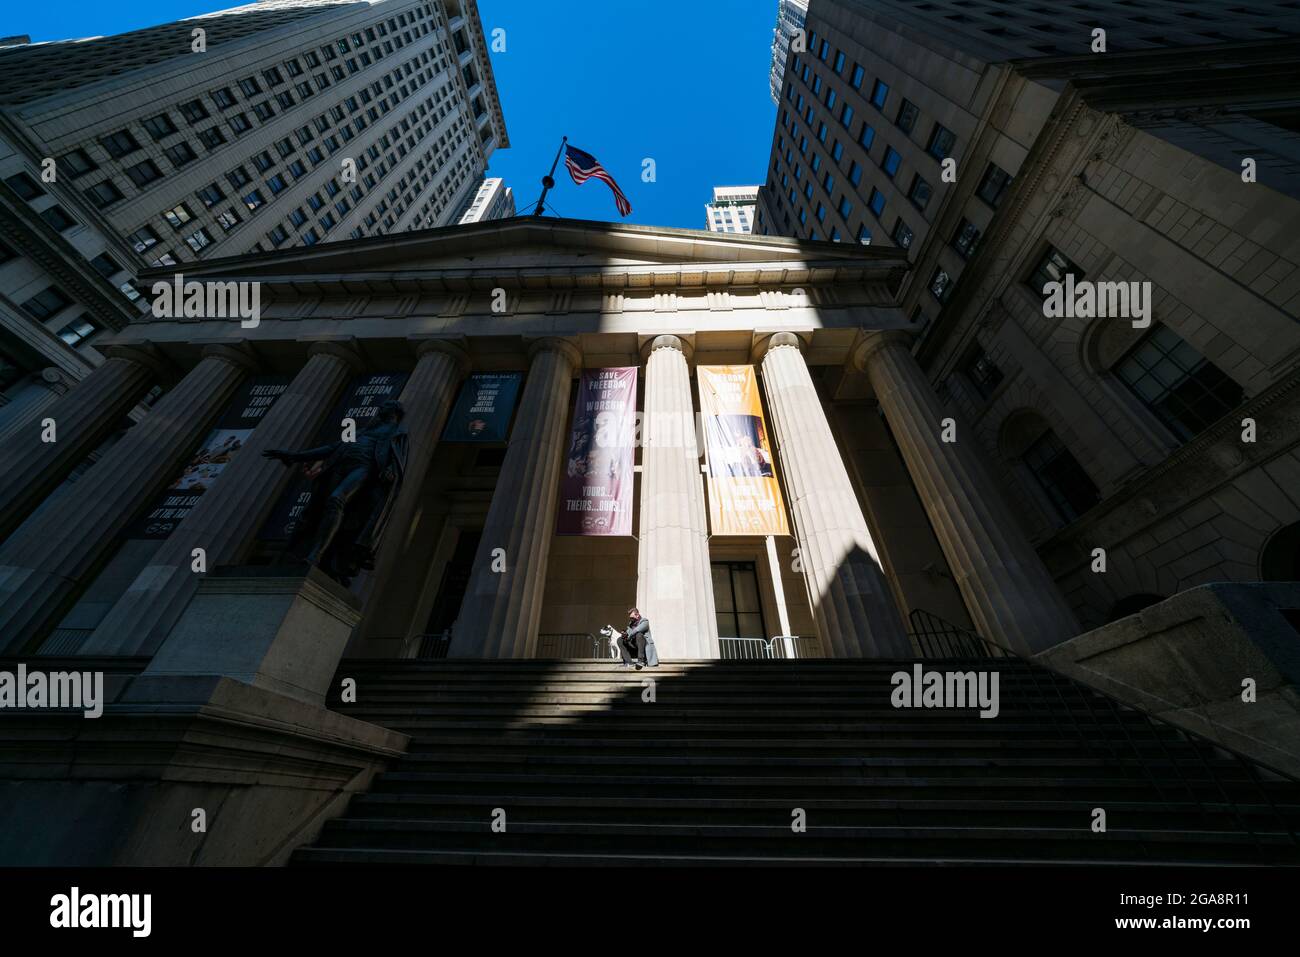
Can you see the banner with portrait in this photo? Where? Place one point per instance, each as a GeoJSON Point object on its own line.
{"type": "Point", "coordinates": [360, 402]}
{"type": "Point", "coordinates": [221, 445]}
{"type": "Point", "coordinates": [483, 408]}
{"type": "Point", "coordinates": [596, 487]}
{"type": "Point", "coordinates": [744, 496]}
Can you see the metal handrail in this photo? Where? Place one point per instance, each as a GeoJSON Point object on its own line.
{"type": "Point", "coordinates": [929, 627]}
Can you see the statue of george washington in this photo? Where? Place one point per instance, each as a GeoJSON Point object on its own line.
{"type": "Point", "coordinates": [352, 495]}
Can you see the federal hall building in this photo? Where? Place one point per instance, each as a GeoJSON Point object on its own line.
{"type": "Point", "coordinates": [891, 505]}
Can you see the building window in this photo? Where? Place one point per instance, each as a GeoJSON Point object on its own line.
{"type": "Point", "coordinates": [194, 111]}
{"type": "Point", "coordinates": [902, 234]}
{"type": "Point", "coordinates": [144, 173]}
{"type": "Point", "coordinates": [1185, 390]}
{"type": "Point", "coordinates": [238, 177]}
{"type": "Point", "coordinates": [846, 116]}
{"type": "Point", "coordinates": [105, 265]}
{"type": "Point", "coordinates": [211, 194]}
{"type": "Point", "coordinates": [223, 98]}
{"type": "Point", "coordinates": [1052, 267]}
{"type": "Point", "coordinates": [879, 94]}
{"type": "Point", "coordinates": [57, 218]}
{"type": "Point", "coordinates": [104, 193]}
{"type": "Point", "coordinates": [837, 151]}
{"type": "Point", "coordinates": [254, 200]}
{"type": "Point", "coordinates": [178, 216]}
{"type": "Point", "coordinates": [180, 154]}
{"type": "Point", "coordinates": [877, 202]}
{"type": "Point", "coordinates": [919, 194]}
{"type": "Point", "coordinates": [855, 173]}
{"type": "Point", "coordinates": [891, 161]}
{"type": "Point", "coordinates": [859, 74]}
{"type": "Point", "coordinates": [983, 374]}
{"type": "Point", "coordinates": [199, 239]}
{"type": "Point", "coordinates": [212, 137]}
{"type": "Point", "coordinates": [966, 239]}
{"type": "Point", "coordinates": [846, 208]}
{"type": "Point", "coordinates": [864, 235]}
{"type": "Point", "coordinates": [907, 114]}
{"type": "Point", "coordinates": [142, 238]}
{"type": "Point", "coordinates": [77, 163]}
{"type": "Point", "coordinates": [46, 303]}
{"type": "Point", "coordinates": [25, 186]}
{"type": "Point", "coordinates": [240, 124]}
{"type": "Point", "coordinates": [248, 86]}
{"type": "Point", "coordinates": [77, 331]}
{"type": "Point", "coordinates": [839, 62]}
{"type": "Point", "coordinates": [942, 140]}
{"type": "Point", "coordinates": [228, 220]}
{"type": "Point", "coordinates": [1060, 476]}
{"type": "Point", "coordinates": [159, 126]}
{"type": "Point", "coordinates": [941, 285]}
{"type": "Point", "coordinates": [119, 144]}
{"type": "Point", "coordinates": [994, 185]}
{"type": "Point", "coordinates": [866, 137]}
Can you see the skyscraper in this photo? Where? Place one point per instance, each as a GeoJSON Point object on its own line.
{"type": "Point", "coordinates": [790, 16]}
{"type": "Point", "coordinates": [264, 126]}
{"type": "Point", "coordinates": [1152, 151]}
{"type": "Point", "coordinates": [732, 209]}
{"type": "Point", "coordinates": [493, 200]}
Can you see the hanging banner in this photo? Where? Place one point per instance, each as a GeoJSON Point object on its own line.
{"type": "Point", "coordinates": [596, 490]}
{"type": "Point", "coordinates": [360, 403]}
{"type": "Point", "coordinates": [744, 497]}
{"type": "Point", "coordinates": [483, 408]}
{"type": "Point", "coordinates": [222, 444]}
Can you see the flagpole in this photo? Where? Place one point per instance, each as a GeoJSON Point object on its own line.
{"type": "Point", "coordinates": [548, 181]}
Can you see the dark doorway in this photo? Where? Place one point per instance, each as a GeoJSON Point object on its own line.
{"type": "Point", "coordinates": [455, 578]}
{"type": "Point", "coordinates": [736, 597]}
{"type": "Point", "coordinates": [1281, 559]}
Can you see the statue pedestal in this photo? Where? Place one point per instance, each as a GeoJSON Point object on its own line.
{"type": "Point", "coordinates": [280, 628]}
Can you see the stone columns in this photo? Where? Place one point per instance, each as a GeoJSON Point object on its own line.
{"type": "Point", "coordinates": [674, 581]}
{"type": "Point", "coordinates": [1009, 593]}
{"type": "Point", "coordinates": [227, 517]}
{"type": "Point", "coordinates": [503, 601]}
{"type": "Point", "coordinates": [44, 564]}
{"type": "Point", "coordinates": [427, 398]}
{"type": "Point", "coordinates": [30, 468]}
{"type": "Point", "coordinates": [851, 599]}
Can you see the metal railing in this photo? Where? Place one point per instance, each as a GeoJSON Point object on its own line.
{"type": "Point", "coordinates": [434, 644]}
{"type": "Point", "coordinates": [782, 647]}
{"type": "Point", "coordinates": [575, 645]}
{"type": "Point", "coordinates": [937, 638]}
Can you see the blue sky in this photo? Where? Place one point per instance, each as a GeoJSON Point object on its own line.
{"type": "Point", "coordinates": [684, 85]}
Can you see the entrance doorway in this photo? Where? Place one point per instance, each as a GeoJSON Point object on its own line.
{"type": "Point", "coordinates": [738, 604]}
{"type": "Point", "coordinates": [451, 592]}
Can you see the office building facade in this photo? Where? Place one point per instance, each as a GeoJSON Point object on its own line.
{"type": "Point", "coordinates": [1131, 435]}
{"type": "Point", "coordinates": [732, 209]}
{"type": "Point", "coordinates": [264, 126]}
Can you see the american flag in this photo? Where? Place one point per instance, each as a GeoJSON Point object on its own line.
{"type": "Point", "coordinates": [583, 166]}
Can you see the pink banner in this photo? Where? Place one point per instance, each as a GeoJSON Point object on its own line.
{"type": "Point", "coordinates": [596, 490]}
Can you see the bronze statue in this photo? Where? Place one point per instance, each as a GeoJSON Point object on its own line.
{"type": "Point", "coordinates": [354, 487]}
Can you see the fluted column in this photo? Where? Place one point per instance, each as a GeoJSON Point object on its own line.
{"type": "Point", "coordinates": [854, 608]}
{"type": "Point", "coordinates": [674, 581]}
{"type": "Point", "coordinates": [30, 468]}
{"type": "Point", "coordinates": [45, 563]}
{"type": "Point", "coordinates": [440, 366]}
{"type": "Point", "coordinates": [1009, 593]}
{"type": "Point", "coordinates": [503, 601]}
{"type": "Point", "coordinates": [228, 516]}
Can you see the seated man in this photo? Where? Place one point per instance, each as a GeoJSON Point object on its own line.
{"type": "Point", "coordinates": [636, 642]}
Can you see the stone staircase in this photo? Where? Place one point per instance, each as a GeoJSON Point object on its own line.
{"type": "Point", "coordinates": [713, 770]}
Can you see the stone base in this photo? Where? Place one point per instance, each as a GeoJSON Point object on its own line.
{"type": "Point", "coordinates": [279, 628]}
{"type": "Point", "coordinates": [266, 770]}
{"type": "Point", "coordinates": [1184, 660]}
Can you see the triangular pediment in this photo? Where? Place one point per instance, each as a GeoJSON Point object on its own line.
{"type": "Point", "coordinates": [528, 247]}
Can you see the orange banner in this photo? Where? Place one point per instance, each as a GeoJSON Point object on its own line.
{"type": "Point", "coordinates": [744, 497]}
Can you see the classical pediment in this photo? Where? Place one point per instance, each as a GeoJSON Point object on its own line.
{"type": "Point", "coordinates": [555, 253]}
